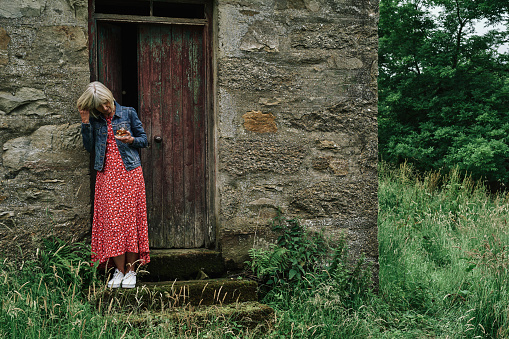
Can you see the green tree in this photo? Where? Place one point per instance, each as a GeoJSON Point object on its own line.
{"type": "Point", "coordinates": [443, 88]}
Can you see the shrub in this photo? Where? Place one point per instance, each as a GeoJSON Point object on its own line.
{"type": "Point", "coordinates": [303, 260]}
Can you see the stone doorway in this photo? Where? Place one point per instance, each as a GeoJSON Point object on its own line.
{"type": "Point", "coordinates": [160, 65]}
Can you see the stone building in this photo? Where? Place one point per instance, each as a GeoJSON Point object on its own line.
{"type": "Point", "coordinates": [250, 106]}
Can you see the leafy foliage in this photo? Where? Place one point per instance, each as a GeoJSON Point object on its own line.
{"type": "Point", "coordinates": [294, 254]}
{"type": "Point", "coordinates": [443, 89]}
{"type": "Point", "coordinates": [303, 261]}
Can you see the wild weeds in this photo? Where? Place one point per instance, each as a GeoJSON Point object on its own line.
{"type": "Point", "coordinates": [296, 253]}
{"type": "Point", "coordinates": [42, 295]}
{"type": "Point", "coordinates": [315, 287]}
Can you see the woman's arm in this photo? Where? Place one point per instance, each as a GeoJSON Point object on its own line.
{"type": "Point", "coordinates": [87, 132]}
{"type": "Point", "coordinates": [140, 137]}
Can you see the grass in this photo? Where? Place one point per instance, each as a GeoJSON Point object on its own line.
{"type": "Point", "coordinates": [443, 256]}
{"type": "Point", "coordinates": [49, 296]}
{"type": "Point", "coordinates": [443, 274]}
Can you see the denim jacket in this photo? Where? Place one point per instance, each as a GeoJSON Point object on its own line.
{"type": "Point", "coordinates": [95, 134]}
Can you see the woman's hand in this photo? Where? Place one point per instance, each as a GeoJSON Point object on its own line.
{"type": "Point", "coordinates": [85, 115]}
{"type": "Point", "coordinates": [127, 138]}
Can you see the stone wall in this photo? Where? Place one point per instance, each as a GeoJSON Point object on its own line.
{"type": "Point", "coordinates": [44, 171]}
{"type": "Point", "coordinates": [297, 120]}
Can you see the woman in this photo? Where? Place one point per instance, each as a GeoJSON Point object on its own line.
{"type": "Point", "coordinates": [119, 228]}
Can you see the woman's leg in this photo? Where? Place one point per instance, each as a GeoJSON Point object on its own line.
{"type": "Point", "coordinates": [116, 279]}
{"type": "Point", "coordinates": [125, 262]}
{"type": "Point", "coordinates": [131, 259]}
{"type": "Point", "coordinates": [130, 275]}
{"type": "Point", "coordinates": [119, 261]}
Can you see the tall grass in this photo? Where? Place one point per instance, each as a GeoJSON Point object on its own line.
{"type": "Point", "coordinates": [443, 254]}
{"type": "Point", "coordinates": [42, 297]}
{"type": "Point", "coordinates": [443, 274]}
{"type": "Point", "coordinates": [49, 296]}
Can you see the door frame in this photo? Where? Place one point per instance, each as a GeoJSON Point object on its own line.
{"type": "Point", "coordinates": [207, 22]}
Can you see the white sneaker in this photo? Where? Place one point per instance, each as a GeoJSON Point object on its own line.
{"type": "Point", "coordinates": [117, 279]}
{"type": "Point", "coordinates": [129, 280]}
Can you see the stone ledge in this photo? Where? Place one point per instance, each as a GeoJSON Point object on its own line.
{"type": "Point", "coordinates": [157, 296]}
{"type": "Point", "coordinates": [183, 264]}
{"type": "Point", "coordinates": [248, 314]}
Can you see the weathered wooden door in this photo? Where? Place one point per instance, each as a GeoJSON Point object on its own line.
{"type": "Point", "coordinates": [172, 84]}
{"type": "Point", "coordinates": [172, 107]}
{"type": "Point", "coordinates": [110, 57]}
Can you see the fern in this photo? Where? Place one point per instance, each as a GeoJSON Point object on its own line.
{"type": "Point", "coordinates": [296, 253]}
{"type": "Point", "coordinates": [304, 261]}
{"type": "Point", "coordinates": [268, 264]}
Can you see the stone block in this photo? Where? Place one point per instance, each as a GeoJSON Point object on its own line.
{"type": "Point", "coordinates": [183, 264]}
{"type": "Point", "coordinates": [51, 147]}
{"type": "Point", "coordinates": [258, 122]}
{"type": "Point", "coordinates": [327, 199]}
{"type": "Point", "coordinates": [4, 43]}
{"type": "Point", "coordinates": [338, 167]}
{"type": "Point", "coordinates": [261, 36]}
{"type": "Point", "coordinates": [23, 97]}
{"type": "Point", "coordinates": [59, 45]}
{"type": "Point", "coordinates": [21, 8]}
{"type": "Point", "coordinates": [261, 155]}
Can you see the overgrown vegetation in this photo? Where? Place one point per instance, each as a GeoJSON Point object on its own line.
{"type": "Point", "coordinates": [42, 298]}
{"type": "Point", "coordinates": [47, 297]}
{"type": "Point", "coordinates": [302, 260]}
{"type": "Point", "coordinates": [443, 256]}
{"type": "Point", "coordinates": [294, 254]}
{"type": "Point", "coordinates": [443, 274]}
{"type": "Point", "coordinates": [312, 285]}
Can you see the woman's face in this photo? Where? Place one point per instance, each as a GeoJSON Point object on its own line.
{"type": "Point", "coordinates": [106, 109]}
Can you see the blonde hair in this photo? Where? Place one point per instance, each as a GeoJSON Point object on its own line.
{"type": "Point", "coordinates": [95, 95]}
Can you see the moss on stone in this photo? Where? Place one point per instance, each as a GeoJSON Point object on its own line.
{"type": "Point", "coordinates": [248, 314]}
{"type": "Point", "coordinates": [167, 295]}
{"type": "Point", "coordinates": [183, 264]}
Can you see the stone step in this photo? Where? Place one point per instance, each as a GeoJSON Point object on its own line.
{"type": "Point", "coordinates": [183, 264]}
{"type": "Point", "coordinates": [157, 296]}
{"type": "Point", "coordinates": [249, 314]}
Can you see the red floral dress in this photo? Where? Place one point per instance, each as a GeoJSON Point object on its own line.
{"type": "Point", "coordinates": [120, 209]}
